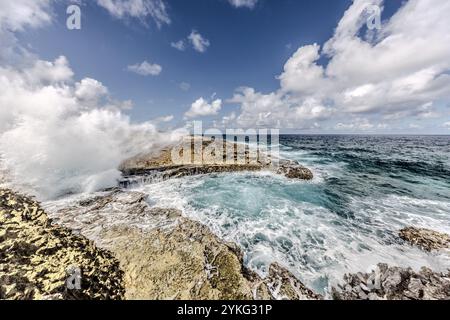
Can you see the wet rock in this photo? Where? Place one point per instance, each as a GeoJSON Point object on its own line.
{"type": "Point", "coordinates": [232, 157]}
{"type": "Point", "coordinates": [35, 257]}
{"type": "Point", "coordinates": [425, 239]}
{"type": "Point", "coordinates": [293, 170]}
{"type": "Point", "coordinates": [394, 283]}
{"type": "Point", "coordinates": [283, 285]}
{"type": "Point", "coordinates": [172, 257]}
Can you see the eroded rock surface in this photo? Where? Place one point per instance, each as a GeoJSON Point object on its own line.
{"type": "Point", "coordinates": [36, 256]}
{"type": "Point", "coordinates": [425, 239]}
{"type": "Point", "coordinates": [167, 256]}
{"type": "Point", "coordinates": [394, 283]}
{"type": "Point", "coordinates": [209, 156]}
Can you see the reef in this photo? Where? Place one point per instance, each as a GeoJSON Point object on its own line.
{"type": "Point", "coordinates": [37, 258]}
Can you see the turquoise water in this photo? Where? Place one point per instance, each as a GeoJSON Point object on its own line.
{"type": "Point", "coordinates": [346, 220]}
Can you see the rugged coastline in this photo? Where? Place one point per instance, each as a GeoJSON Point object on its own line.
{"type": "Point", "coordinates": [127, 249]}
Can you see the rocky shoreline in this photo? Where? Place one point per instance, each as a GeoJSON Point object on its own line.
{"type": "Point", "coordinates": [203, 160]}
{"type": "Point", "coordinates": [36, 257]}
{"type": "Point", "coordinates": [126, 249]}
{"type": "Point", "coordinates": [172, 257]}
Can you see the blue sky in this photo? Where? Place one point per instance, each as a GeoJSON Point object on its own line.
{"type": "Point", "coordinates": [248, 47]}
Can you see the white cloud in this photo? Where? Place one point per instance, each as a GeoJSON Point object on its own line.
{"type": "Point", "coordinates": [185, 86]}
{"type": "Point", "coordinates": [179, 45]}
{"type": "Point", "coordinates": [199, 43]}
{"type": "Point", "coordinates": [243, 3]}
{"type": "Point", "coordinates": [164, 119]}
{"type": "Point", "coordinates": [90, 90]}
{"type": "Point", "coordinates": [145, 69]}
{"type": "Point", "coordinates": [447, 125]}
{"type": "Point", "coordinates": [397, 72]}
{"type": "Point", "coordinates": [141, 9]}
{"type": "Point", "coordinates": [359, 124]}
{"type": "Point", "coordinates": [58, 135]}
{"type": "Point", "coordinates": [19, 14]}
{"type": "Point", "coordinates": [201, 108]}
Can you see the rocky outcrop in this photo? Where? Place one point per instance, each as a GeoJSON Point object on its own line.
{"type": "Point", "coordinates": [37, 258]}
{"type": "Point", "coordinates": [209, 156]}
{"type": "Point", "coordinates": [171, 257]}
{"type": "Point", "coordinates": [394, 283]}
{"type": "Point", "coordinates": [425, 239]}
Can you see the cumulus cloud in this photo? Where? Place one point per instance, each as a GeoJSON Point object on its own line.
{"type": "Point", "coordinates": [179, 45]}
{"type": "Point", "coordinates": [202, 107]}
{"type": "Point", "coordinates": [198, 42]}
{"type": "Point", "coordinates": [399, 71]}
{"type": "Point", "coordinates": [145, 69]}
{"type": "Point", "coordinates": [447, 125]}
{"type": "Point", "coordinates": [243, 3]}
{"type": "Point", "coordinates": [58, 135]}
{"type": "Point", "coordinates": [140, 9]}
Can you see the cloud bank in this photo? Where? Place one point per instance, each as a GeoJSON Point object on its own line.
{"type": "Point", "coordinates": [402, 70]}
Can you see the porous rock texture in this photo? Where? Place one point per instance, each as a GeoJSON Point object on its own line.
{"type": "Point", "coordinates": [167, 256]}
{"type": "Point", "coordinates": [425, 239]}
{"type": "Point", "coordinates": [206, 156]}
{"type": "Point", "coordinates": [36, 256]}
{"type": "Point", "coordinates": [394, 283]}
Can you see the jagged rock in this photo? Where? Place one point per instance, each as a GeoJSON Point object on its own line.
{"type": "Point", "coordinates": [35, 257]}
{"type": "Point", "coordinates": [394, 283]}
{"type": "Point", "coordinates": [425, 239]}
{"type": "Point", "coordinates": [174, 257]}
{"type": "Point", "coordinates": [203, 160]}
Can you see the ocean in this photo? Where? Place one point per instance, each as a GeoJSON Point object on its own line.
{"type": "Point", "coordinates": [365, 189]}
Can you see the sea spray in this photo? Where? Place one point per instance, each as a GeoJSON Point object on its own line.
{"type": "Point", "coordinates": [58, 136]}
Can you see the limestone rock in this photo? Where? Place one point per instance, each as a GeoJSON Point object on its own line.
{"type": "Point", "coordinates": [174, 257]}
{"type": "Point", "coordinates": [425, 239]}
{"type": "Point", "coordinates": [209, 156]}
{"type": "Point", "coordinates": [394, 283]}
{"type": "Point", "coordinates": [35, 257]}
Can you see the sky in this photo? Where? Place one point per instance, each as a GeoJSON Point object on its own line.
{"type": "Point", "coordinates": [299, 66]}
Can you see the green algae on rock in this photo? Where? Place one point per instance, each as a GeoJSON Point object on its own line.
{"type": "Point", "coordinates": [35, 257]}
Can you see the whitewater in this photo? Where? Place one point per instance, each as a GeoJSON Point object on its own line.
{"type": "Point", "coordinates": [346, 220]}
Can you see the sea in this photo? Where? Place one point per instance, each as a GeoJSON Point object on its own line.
{"type": "Point", "coordinates": [346, 220]}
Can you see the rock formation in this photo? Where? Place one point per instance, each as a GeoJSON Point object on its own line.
{"type": "Point", "coordinates": [173, 257]}
{"type": "Point", "coordinates": [37, 258]}
{"type": "Point", "coordinates": [425, 239]}
{"type": "Point", "coordinates": [209, 156]}
{"type": "Point", "coordinates": [394, 283]}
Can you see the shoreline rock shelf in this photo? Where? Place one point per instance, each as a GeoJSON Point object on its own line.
{"type": "Point", "coordinates": [35, 257]}
{"type": "Point", "coordinates": [173, 257]}
{"type": "Point", "coordinates": [159, 166]}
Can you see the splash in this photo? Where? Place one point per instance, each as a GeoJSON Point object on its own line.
{"type": "Point", "coordinates": [58, 136]}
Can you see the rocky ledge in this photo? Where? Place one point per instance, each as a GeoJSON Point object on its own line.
{"type": "Point", "coordinates": [162, 254]}
{"type": "Point", "coordinates": [425, 239]}
{"type": "Point", "coordinates": [36, 256]}
{"type": "Point", "coordinates": [394, 283]}
{"type": "Point", "coordinates": [203, 159]}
